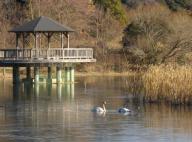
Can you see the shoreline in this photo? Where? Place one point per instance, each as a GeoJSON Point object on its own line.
{"type": "Point", "coordinates": [84, 74]}
{"type": "Point", "coordinates": [105, 73]}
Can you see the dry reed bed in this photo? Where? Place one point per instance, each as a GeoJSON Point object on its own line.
{"type": "Point", "coordinates": [169, 83]}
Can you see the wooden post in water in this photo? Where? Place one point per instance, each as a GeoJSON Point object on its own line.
{"type": "Point", "coordinates": [36, 75]}
{"type": "Point", "coordinates": [49, 76]}
{"type": "Point", "coordinates": [67, 75]}
{"type": "Point", "coordinates": [59, 74]}
{"type": "Point", "coordinates": [28, 70]}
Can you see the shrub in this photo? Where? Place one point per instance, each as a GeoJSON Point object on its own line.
{"type": "Point", "coordinates": [170, 83]}
{"type": "Point", "coordinates": [160, 34]}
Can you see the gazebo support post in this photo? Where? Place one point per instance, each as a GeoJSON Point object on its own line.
{"type": "Point", "coordinates": [35, 45]}
{"type": "Point", "coordinates": [23, 34]}
{"type": "Point", "coordinates": [62, 40]}
{"type": "Point", "coordinates": [17, 44]}
{"type": "Point", "coordinates": [28, 70]}
{"type": "Point", "coordinates": [36, 37]}
{"type": "Point", "coordinates": [49, 35]}
{"type": "Point", "coordinates": [49, 74]}
{"type": "Point", "coordinates": [59, 74]}
{"type": "Point", "coordinates": [67, 36]}
{"type": "Point", "coordinates": [68, 40]}
{"type": "Point", "coordinates": [67, 74]}
{"type": "Point", "coordinates": [62, 45]}
{"type": "Point", "coordinates": [39, 39]}
{"type": "Point", "coordinates": [36, 74]}
{"type": "Point", "coordinates": [48, 38]}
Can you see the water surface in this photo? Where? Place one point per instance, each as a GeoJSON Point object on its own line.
{"type": "Point", "coordinates": [46, 113]}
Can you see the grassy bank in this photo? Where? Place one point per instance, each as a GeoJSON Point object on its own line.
{"type": "Point", "coordinates": [169, 83]}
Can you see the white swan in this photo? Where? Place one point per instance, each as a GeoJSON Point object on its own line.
{"type": "Point", "coordinates": [124, 110]}
{"type": "Point", "coordinates": [100, 109]}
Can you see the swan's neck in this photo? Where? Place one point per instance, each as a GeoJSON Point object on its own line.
{"type": "Point", "coordinates": [104, 107]}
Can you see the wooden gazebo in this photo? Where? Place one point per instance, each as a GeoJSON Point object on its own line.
{"type": "Point", "coordinates": [63, 56]}
{"type": "Point", "coordinates": [41, 25]}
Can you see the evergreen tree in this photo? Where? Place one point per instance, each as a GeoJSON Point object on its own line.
{"type": "Point", "coordinates": [114, 7]}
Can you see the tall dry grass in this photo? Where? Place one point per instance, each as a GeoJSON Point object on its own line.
{"type": "Point", "coordinates": [170, 83]}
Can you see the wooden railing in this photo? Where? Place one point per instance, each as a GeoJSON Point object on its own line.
{"type": "Point", "coordinates": [46, 54]}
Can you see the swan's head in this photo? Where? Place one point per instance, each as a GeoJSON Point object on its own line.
{"type": "Point", "coordinates": [104, 102]}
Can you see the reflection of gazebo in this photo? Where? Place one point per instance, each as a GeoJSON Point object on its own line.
{"type": "Point", "coordinates": [37, 56]}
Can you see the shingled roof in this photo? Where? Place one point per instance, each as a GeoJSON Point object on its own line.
{"type": "Point", "coordinates": [42, 24]}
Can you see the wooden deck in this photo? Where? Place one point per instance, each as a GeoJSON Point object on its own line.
{"type": "Point", "coordinates": [44, 55]}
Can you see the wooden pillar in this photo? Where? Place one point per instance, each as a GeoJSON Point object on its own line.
{"type": "Point", "coordinates": [36, 74]}
{"type": "Point", "coordinates": [17, 44]}
{"type": "Point", "coordinates": [67, 40]}
{"type": "Point", "coordinates": [59, 90]}
{"type": "Point", "coordinates": [59, 74]}
{"type": "Point", "coordinates": [28, 73]}
{"type": "Point", "coordinates": [62, 45]}
{"type": "Point", "coordinates": [67, 74]}
{"type": "Point", "coordinates": [49, 43]}
{"type": "Point", "coordinates": [17, 40]}
{"type": "Point", "coordinates": [35, 34]}
{"type": "Point", "coordinates": [49, 76]}
{"type": "Point", "coordinates": [67, 35]}
{"type": "Point", "coordinates": [39, 37]}
{"type": "Point", "coordinates": [23, 44]}
{"type": "Point", "coordinates": [49, 39]}
{"type": "Point", "coordinates": [36, 45]}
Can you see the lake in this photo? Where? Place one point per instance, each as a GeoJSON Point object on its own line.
{"type": "Point", "coordinates": [55, 113]}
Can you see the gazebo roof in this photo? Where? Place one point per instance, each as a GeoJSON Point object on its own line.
{"type": "Point", "coordinates": [42, 24]}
